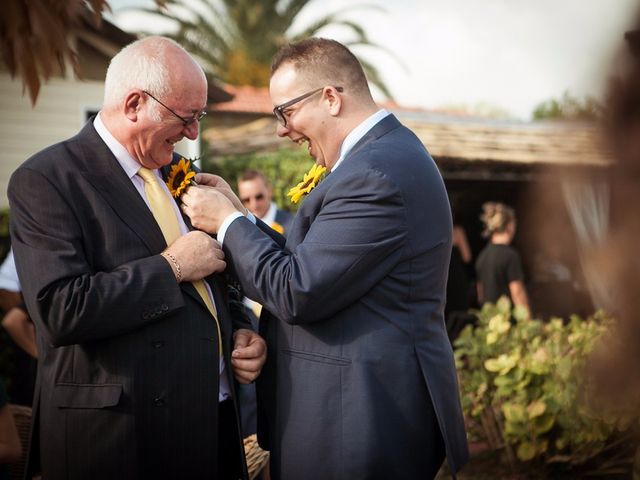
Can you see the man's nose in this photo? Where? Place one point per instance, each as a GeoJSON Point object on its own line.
{"type": "Point", "coordinates": [192, 129]}
{"type": "Point", "coordinates": [281, 130]}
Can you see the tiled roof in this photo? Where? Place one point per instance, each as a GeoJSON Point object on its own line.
{"type": "Point", "coordinates": [245, 100]}
{"type": "Point", "coordinates": [467, 140]}
{"type": "Point", "coordinates": [553, 143]}
{"type": "Point", "coordinates": [447, 137]}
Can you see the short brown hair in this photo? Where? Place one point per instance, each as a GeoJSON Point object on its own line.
{"type": "Point", "coordinates": [252, 174]}
{"type": "Point", "coordinates": [320, 60]}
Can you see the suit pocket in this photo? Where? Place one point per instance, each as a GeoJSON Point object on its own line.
{"type": "Point", "coordinates": [78, 395]}
{"type": "Point", "coordinates": [318, 358]}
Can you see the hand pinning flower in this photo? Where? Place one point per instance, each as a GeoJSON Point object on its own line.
{"type": "Point", "coordinates": [308, 183]}
{"type": "Point", "coordinates": [180, 177]}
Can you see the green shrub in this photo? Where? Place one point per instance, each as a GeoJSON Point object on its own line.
{"type": "Point", "coordinates": [284, 168]}
{"type": "Point", "coordinates": [522, 383]}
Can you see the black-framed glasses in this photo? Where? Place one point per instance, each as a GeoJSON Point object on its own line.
{"type": "Point", "coordinates": [186, 121]}
{"type": "Point", "coordinates": [278, 111]}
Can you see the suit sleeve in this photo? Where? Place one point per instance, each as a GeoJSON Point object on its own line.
{"type": "Point", "coordinates": [353, 242]}
{"type": "Point", "coordinates": [68, 300]}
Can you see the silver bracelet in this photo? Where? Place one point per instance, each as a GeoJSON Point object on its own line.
{"type": "Point", "coordinates": [175, 264]}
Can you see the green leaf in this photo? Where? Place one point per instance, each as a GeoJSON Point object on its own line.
{"type": "Point", "coordinates": [514, 412]}
{"type": "Point", "coordinates": [543, 424]}
{"type": "Point", "coordinates": [526, 451]}
{"type": "Point", "coordinates": [536, 408]}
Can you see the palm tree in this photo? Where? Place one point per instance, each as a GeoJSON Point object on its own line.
{"type": "Point", "coordinates": [236, 39]}
{"type": "Point", "coordinates": [35, 41]}
{"type": "Point", "coordinates": [38, 37]}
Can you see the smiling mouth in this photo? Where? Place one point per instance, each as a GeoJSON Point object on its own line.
{"type": "Point", "coordinates": [301, 141]}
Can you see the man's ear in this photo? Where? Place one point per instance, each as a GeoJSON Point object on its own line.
{"type": "Point", "coordinates": [332, 96]}
{"type": "Point", "coordinates": [132, 105]}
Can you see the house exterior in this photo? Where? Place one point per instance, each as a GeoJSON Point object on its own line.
{"type": "Point", "coordinates": [532, 166]}
{"type": "Point", "coordinates": [65, 102]}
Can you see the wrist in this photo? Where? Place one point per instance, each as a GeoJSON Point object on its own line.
{"type": "Point", "coordinates": [173, 263]}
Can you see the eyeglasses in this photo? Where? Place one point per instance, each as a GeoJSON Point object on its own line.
{"type": "Point", "coordinates": [186, 121]}
{"type": "Point", "coordinates": [278, 111]}
{"type": "Point", "coordinates": [258, 197]}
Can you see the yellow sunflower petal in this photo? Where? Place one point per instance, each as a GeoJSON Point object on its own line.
{"type": "Point", "coordinates": [180, 177]}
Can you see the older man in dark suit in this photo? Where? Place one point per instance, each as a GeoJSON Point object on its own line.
{"type": "Point", "coordinates": [361, 381]}
{"type": "Point", "coordinates": [136, 377]}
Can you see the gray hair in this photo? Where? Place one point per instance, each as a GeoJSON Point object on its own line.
{"type": "Point", "coordinates": [141, 64]}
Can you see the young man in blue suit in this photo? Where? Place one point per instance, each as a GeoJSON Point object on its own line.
{"type": "Point", "coordinates": [360, 382]}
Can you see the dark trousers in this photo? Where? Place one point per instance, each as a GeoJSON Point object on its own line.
{"type": "Point", "coordinates": [229, 457]}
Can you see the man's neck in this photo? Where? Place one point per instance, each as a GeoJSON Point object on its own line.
{"type": "Point", "coordinates": [502, 238]}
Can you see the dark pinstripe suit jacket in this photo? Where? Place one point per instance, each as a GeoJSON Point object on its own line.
{"type": "Point", "coordinates": [128, 371]}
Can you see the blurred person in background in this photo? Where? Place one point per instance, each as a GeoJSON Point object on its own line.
{"type": "Point", "coordinates": [615, 360]}
{"type": "Point", "coordinates": [460, 285]}
{"type": "Point", "coordinates": [256, 194]}
{"type": "Point", "coordinates": [10, 445]}
{"type": "Point", "coordinates": [20, 328]}
{"type": "Point", "coordinates": [499, 269]}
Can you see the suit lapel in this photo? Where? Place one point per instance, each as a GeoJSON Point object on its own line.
{"type": "Point", "coordinates": [107, 177]}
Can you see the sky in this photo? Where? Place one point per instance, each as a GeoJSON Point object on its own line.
{"type": "Point", "coordinates": [482, 55]}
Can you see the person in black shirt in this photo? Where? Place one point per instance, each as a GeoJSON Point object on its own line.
{"type": "Point", "coordinates": [498, 267]}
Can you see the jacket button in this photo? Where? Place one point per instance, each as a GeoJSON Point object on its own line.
{"type": "Point", "coordinates": [165, 307]}
{"type": "Point", "coordinates": [158, 344]}
{"type": "Point", "coordinates": [159, 402]}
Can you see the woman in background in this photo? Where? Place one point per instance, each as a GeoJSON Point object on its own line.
{"type": "Point", "coordinates": [499, 268]}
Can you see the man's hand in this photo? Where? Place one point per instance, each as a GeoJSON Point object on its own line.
{"type": "Point", "coordinates": [248, 355]}
{"type": "Point", "coordinates": [207, 207]}
{"type": "Point", "coordinates": [222, 186]}
{"type": "Point", "coordinates": [197, 254]}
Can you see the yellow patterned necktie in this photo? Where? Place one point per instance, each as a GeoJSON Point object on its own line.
{"type": "Point", "coordinates": [163, 212]}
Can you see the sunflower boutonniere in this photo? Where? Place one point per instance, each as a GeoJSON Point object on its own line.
{"type": "Point", "coordinates": [308, 183]}
{"type": "Point", "coordinates": [277, 227]}
{"type": "Point", "coordinates": [180, 177]}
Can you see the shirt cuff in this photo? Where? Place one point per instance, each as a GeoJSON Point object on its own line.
{"type": "Point", "coordinates": [227, 221]}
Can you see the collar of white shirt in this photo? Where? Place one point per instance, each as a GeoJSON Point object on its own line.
{"type": "Point", "coordinates": [270, 216]}
{"type": "Point", "coordinates": [126, 161]}
{"type": "Point", "coordinates": [357, 133]}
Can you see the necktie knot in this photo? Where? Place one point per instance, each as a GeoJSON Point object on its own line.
{"type": "Point", "coordinates": [146, 174]}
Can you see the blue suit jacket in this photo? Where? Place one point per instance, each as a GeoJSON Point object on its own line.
{"type": "Point", "coordinates": [285, 219]}
{"type": "Point", "coordinates": [360, 381]}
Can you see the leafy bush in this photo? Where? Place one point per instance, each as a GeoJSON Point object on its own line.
{"type": "Point", "coordinates": [284, 168]}
{"type": "Point", "coordinates": [523, 382]}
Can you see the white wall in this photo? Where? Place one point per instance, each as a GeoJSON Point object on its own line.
{"type": "Point", "coordinates": [60, 113]}
{"type": "Point", "coordinates": [25, 130]}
